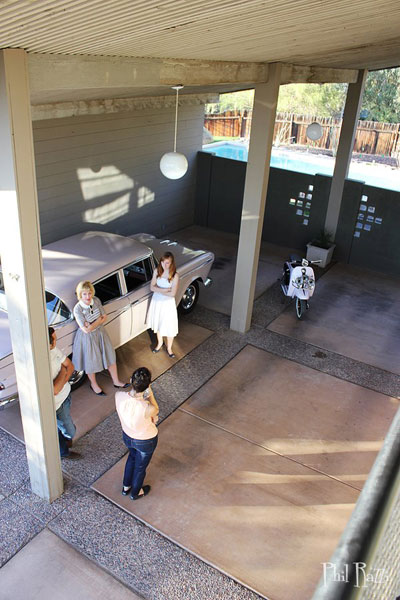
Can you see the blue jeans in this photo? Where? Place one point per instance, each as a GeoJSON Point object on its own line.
{"type": "Point", "coordinates": [66, 427]}
{"type": "Point", "coordinates": [140, 453]}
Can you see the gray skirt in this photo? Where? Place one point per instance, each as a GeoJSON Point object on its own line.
{"type": "Point", "coordinates": [92, 352]}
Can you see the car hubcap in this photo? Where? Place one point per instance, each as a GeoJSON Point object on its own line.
{"type": "Point", "coordinates": [76, 377]}
{"type": "Point", "coordinates": [188, 297]}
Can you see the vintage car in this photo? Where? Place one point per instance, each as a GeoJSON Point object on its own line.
{"type": "Point", "coordinates": [121, 269]}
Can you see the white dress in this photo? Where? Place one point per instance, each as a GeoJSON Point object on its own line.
{"type": "Point", "coordinates": [162, 315]}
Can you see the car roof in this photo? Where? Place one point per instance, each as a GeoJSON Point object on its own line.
{"type": "Point", "coordinates": [90, 255]}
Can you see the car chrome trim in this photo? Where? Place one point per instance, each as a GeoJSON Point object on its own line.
{"type": "Point", "coordinates": [141, 299]}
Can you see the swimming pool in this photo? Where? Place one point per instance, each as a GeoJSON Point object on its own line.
{"type": "Point", "coordinates": [380, 176]}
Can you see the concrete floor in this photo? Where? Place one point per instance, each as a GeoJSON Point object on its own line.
{"type": "Point", "coordinates": [249, 470]}
{"type": "Point", "coordinates": [271, 477]}
{"type": "Point", "coordinates": [224, 245]}
{"type": "Point", "coordinates": [353, 312]}
{"type": "Point", "coordinates": [48, 568]}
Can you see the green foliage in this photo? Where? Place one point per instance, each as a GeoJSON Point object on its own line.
{"type": "Point", "coordinates": [233, 101]}
{"type": "Point", "coordinates": [382, 96]}
{"type": "Point", "coordinates": [323, 240]}
{"type": "Point", "coordinates": [325, 100]}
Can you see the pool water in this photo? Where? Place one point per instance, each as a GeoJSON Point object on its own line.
{"type": "Point", "coordinates": [377, 175]}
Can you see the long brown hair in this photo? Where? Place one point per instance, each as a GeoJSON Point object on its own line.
{"type": "Point", "coordinates": [172, 269]}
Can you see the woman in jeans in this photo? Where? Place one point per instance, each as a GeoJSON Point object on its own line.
{"type": "Point", "coordinates": [138, 413]}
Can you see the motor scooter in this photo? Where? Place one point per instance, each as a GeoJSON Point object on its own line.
{"type": "Point", "coordinates": [298, 281]}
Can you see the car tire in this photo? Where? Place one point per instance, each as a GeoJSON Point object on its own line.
{"type": "Point", "coordinates": [189, 299]}
{"type": "Point", "coordinates": [77, 378]}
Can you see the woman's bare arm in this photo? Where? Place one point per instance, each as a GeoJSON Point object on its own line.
{"type": "Point", "coordinates": [174, 286]}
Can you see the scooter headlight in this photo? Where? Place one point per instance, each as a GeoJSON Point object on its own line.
{"type": "Point", "coordinates": [298, 282]}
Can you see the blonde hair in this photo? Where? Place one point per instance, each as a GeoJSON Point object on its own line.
{"type": "Point", "coordinates": [84, 285]}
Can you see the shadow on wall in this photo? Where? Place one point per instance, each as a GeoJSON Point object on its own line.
{"type": "Point", "coordinates": [111, 200]}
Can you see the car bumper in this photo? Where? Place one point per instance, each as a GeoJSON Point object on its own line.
{"type": "Point", "coordinates": [8, 395]}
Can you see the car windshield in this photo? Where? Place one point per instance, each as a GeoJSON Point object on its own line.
{"type": "Point", "coordinates": [56, 310]}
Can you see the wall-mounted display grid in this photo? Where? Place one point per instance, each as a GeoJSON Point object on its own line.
{"type": "Point", "coordinates": [369, 218]}
{"type": "Point", "coordinates": [303, 207]}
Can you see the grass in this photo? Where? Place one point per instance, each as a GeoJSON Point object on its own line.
{"type": "Point", "coordinates": [224, 138]}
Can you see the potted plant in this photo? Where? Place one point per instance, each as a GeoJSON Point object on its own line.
{"type": "Point", "coordinates": [321, 248]}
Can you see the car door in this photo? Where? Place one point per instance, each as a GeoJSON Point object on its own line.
{"type": "Point", "coordinates": [117, 307]}
{"type": "Point", "coordinates": [137, 279]}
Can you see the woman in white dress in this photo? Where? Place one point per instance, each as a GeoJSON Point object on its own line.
{"type": "Point", "coordinates": [162, 317]}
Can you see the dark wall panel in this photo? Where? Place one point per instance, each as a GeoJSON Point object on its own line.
{"type": "Point", "coordinates": [226, 194]}
{"type": "Point", "coordinates": [379, 248]}
{"type": "Point", "coordinates": [352, 192]}
{"type": "Point", "coordinates": [203, 182]}
{"type": "Point", "coordinates": [283, 223]}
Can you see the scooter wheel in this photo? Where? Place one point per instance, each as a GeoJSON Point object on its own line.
{"type": "Point", "coordinates": [301, 307]}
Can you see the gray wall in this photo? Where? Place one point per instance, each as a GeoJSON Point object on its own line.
{"type": "Point", "coordinates": [102, 172]}
{"type": "Point", "coordinates": [219, 197]}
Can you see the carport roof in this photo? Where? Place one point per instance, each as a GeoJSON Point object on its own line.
{"type": "Point", "coordinates": [331, 33]}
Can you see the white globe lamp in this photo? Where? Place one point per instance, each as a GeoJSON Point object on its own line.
{"type": "Point", "coordinates": [174, 165]}
{"type": "Point", "coordinates": [314, 131]}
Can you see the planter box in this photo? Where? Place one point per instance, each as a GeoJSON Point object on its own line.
{"type": "Point", "coordinates": [322, 254]}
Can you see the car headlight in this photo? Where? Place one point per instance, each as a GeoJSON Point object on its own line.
{"type": "Point", "coordinates": [2, 386]}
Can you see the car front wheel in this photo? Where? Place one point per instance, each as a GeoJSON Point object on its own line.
{"type": "Point", "coordinates": [189, 298]}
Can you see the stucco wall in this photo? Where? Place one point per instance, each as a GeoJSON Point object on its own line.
{"type": "Point", "coordinates": [102, 172]}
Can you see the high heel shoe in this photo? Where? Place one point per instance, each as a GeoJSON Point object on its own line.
{"type": "Point", "coordinates": [171, 355]}
{"type": "Point", "coordinates": [146, 489]}
{"type": "Point", "coordinates": [155, 350]}
{"type": "Point", "coordinates": [100, 393]}
{"type": "Point", "coordinates": [122, 387]}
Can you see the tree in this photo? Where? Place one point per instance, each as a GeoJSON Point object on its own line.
{"type": "Point", "coordinates": [382, 96]}
{"type": "Point", "coordinates": [324, 100]}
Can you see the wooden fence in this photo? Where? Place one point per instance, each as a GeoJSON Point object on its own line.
{"type": "Point", "coordinates": [371, 137]}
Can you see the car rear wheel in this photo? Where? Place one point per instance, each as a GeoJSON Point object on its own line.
{"type": "Point", "coordinates": [189, 298]}
{"type": "Point", "coordinates": [77, 378]}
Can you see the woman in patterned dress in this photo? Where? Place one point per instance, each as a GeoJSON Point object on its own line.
{"type": "Point", "coordinates": [92, 350]}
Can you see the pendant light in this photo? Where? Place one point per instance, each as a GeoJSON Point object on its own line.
{"type": "Point", "coordinates": [314, 131]}
{"type": "Point", "coordinates": [173, 164]}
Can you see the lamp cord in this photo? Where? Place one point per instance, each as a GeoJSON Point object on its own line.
{"type": "Point", "coordinates": [176, 119]}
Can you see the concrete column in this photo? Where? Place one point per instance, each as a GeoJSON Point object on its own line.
{"type": "Point", "coordinates": [345, 148]}
{"type": "Point", "coordinates": [255, 192]}
{"type": "Point", "coordinates": [21, 260]}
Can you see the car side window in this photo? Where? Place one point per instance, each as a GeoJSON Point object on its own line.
{"type": "Point", "coordinates": [137, 274]}
{"type": "Point", "coordinates": [107, 289]}
{"type": "Point", "coordinates": [57, 311]}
